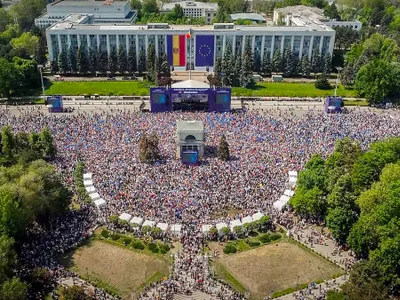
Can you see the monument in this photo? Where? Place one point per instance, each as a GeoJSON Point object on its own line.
{"type": "Point", "coordinates": [189, 141]}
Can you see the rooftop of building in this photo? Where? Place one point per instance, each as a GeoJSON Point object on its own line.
{"type": "Point", "coordinates": [201, 28]}
{"type": "Point", "coordinates": [91, 3]}
{"type": "Point", "coordinates": [189, 126]}
{"type": "Point", "coordinates": [248, 16]}
{"type": "Point", "coordinates": [190, 4]}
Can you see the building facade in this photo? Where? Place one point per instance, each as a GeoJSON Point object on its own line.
{"type": "Point", "coordinates": [193, 9]}
{"type": "Point", "coordinates": [206, 45]}
{"type": "Point", "coordinates": [103, 11]}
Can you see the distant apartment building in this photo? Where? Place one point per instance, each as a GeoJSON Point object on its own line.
{"type": "Point", "coordinates": [103, 11]}
{"type": "Point", "coordinates": [194, 9]}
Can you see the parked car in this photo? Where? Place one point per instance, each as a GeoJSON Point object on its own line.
{"type": "Point", "coordinates": [111, 78]}
{"type": "Point", "coordinates": [257, 78]}
{"type": "Point", "coordinates": [58, 78]}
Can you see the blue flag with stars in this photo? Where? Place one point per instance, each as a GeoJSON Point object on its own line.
{"type": "Point", "coordinates": [204, 50]}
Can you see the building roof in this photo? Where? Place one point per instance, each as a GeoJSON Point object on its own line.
{"type": "Point", "coordinates": [300, 9]}
{"type": "Point", "coordinates": [189, 126]}
{"type": "Point", "coordinates": [248, 16]}
{"type": "Point", "coordinates": [190, 4]}
{"type": "Point", "coordinates": [69, 3]}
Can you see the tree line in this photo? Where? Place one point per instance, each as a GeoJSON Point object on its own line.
{"type": "Point", "coordinates": [30, 193]}
{"type": "Point", "coordinates": [356, 194]}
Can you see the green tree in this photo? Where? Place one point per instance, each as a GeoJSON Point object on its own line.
{"type": "Point", "coordinates": [122, 60]}
{"type": "Point", "coordinates": [46, 140]}
{"type": "Point", "coordinates": [305, 66]}
{"type": "Point", "coordinates": [28, 75]}
{"type": "Point", "coordinates": [27, 16]}
{"type": "Point", "coordinates": [327, 64]}
{"type": "Point", "coordinates": [237, 70]}
{"type": "Point", "coordinates": [223, 150]}
{"type": "Point", "coordinates": [378, 80]}
{"type": "Point", "coordinates": [266, 66]}
{"type": "Point", "coordinates": [7, 144]}
{"type": "Point", "coordinates": [92, 61]}
{"type": "Point", "coordinates": [227, 67]}
{"type": "Point", "coordinates": [289, 68]}
{"type": "Point", "coordinates": [113, 61]}
{"type": "Point", "coordinates": [13, 289]}
{"type": "Point", "coordinates": [8, 256]}
{"type": "Point", "coordinates": [164, 69]}
{"type": "Point", "coordinates": [131, 63]}
{"type": "Point", "coordinates": [218, 69]}
{"type": "Point", "coordinates": [8, 76]}
{"type": "Point", "coordinates": [102, 62]}
{"type": "Point", "coordinates": [141, 62]}
{"type": "Point", "coordinates": [331, 11]}
{"type": "Point", "coordinates": [149, 7]}
{"type": "Point", "coordinates": [72, 60]}
{"type": "Point", "coordinates": [40, 51]}
{"type": "Point", "coordinates": [316, 61]}
{"type": "Point", "coordinates": [26, 42]}
{"type": "Point", "coordinates": [246, 74]}
{"type": "Point", "coordinates": [151, 62]}
{"type": "Point", "coordinates": [309, 203]}
{"type": "Point", "coordinates": [277, 62]}
{"type": "Point", "coordinates": [74, 292]}
{"type": "Point", "coordinates": [82, 61]}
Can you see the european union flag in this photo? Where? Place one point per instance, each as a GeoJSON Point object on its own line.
{"type": "Point", "coordinates": [204, 50]}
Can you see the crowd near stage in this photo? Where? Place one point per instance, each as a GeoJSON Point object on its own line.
{"type": "Point", "coordinates": [190, 95]}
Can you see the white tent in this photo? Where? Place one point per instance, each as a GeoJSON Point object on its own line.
{"type": "Point", "coordinates": [88, 182]}
{"type": "Point", "coordinates": [90, 189]}
{"type": "Point", "coordinates": [292, 181]}
{"type": "Point", "coordinates": [288, 193]}
{"type": "Point", "coordinates": [284, 199]}
{"type": "Point", "coordinates": [220, 226]}
{"type": "Point", "coordinates": [292, 173]}
{"type": "Point", "coordinates": [247, 219]}
{"type": "Point", "coordinates": [136, 220]}
{"type": "Point", "coordinates": [95, 196]}
{"type": "Point", "coordinates": [176, 229]}
{"type": "Point", "coordinates": [125, 216]}
{"type": "Point", "coordinates": [87, 176]}
{"type": "Point", "coordinates": [149, 223]}
{"type": "Point", "coordinates": [190, 84]}
{"type": "Point", "coordinates": [100, 203]}
{"type": "Point", "coordinates": [235, 223]}
{"type": "Point", "coordinates": [257, 216]}
{"type": "Point", "coordinates": [206, 228]}
{"type": "Point", "coordinates": [163, 226]}
{"type": "Point", "coordinates": [279, 205]}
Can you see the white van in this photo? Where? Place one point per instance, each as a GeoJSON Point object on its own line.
{"type": "Point", "coordinates": [257, 78]}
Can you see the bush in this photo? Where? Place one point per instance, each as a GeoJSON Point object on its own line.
{"type": "Point", "coordinates": [153, 247]}
{"type": "Point", "coordinates": [253, 243]}
{"type": "Point", "coordinates": [164, 247]}
{"type": "Point", "coordinates": [275, 236]}
{"type": "Point", "coordinates": [265, 238]}
{"type": "Point", "coordinates": [115, 237]}
{"type": "Point", "coordinates": [127, 241]}
{"type": "Point", "coordinates": [105, 233]}
{"type": "Point", "coordinates": [229, 249]}
{"type": "Point", "coordinates": [322, 84]}
{"type": "Point", "coordinates": [137, 245]}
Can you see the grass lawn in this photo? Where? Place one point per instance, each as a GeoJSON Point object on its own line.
{"type": "Point", "coordinates": [290, 89]}
{"type": "Point", "coordinates": [127, 88]}
{"type": "Point", "coordinates": [114, 268]}
{"type": "Point", "coordinates": [274, 267]}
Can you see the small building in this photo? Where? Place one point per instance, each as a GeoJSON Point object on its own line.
{"type": "Point", "coordinates": [253, 17]}
{"type": "Point", "coordinates": [193, 9]}
{"type": "Point", "coordinates": [189, 137]}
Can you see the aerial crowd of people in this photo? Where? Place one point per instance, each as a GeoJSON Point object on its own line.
{"type": "Point", "coordinates": [263, 148]}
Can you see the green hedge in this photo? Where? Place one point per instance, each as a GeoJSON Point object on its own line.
{"type": "Point", "coordinates": [229, 249]}
{"type": "Point", "coordinates": [137, 245]}
{"type": "Point", "coordinates": [153, 247]}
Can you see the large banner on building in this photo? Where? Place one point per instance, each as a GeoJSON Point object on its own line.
{"type": "Point", "coordinates": [176, 50]}
{"type": "Point", "coordinates": [204, 50]}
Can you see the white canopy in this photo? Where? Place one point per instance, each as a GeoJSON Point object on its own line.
{"type": "Point", "coordinates": [163, 226]}
{"type": "Point", "coordinates": [87, 176]}
{"type": "Point", "coordinates": [257, 216]}
{"type": "Point", "coordinates": [95, 196]}
{"type": "Point", "coordinates": [88, 182]}
{"type": "Point", "coordinates": [149, 223]}
{"type": "Point", "coordinates": [279, 205]}
{"type": "Point", "coordinates": [136, 220]}
{"type": "Point", "coordinates": [292, 173]}
{"type": "Point", "coordinates": [235, 223]}
{"type": "Point", "coordinates": [125, 216]}
{"type": "Point", "coordinates": [206, 228]}
{"type": "Point", "coordinates": [288, 193]}
{"type": "Point", "coordinates": [100, 203]}
{"type": "Point", "coordinates": [285, 199]}
{"type": "Point", "coordinates": [190, 84]}
{"type": "Point", "coordinates": [176, 229]}
{"type": "Point", "coordinates": [90, 189]}
{"type": "Point", "coordinates": [220, 226]}
{"type": "Point", "coordinates": [247, 219]}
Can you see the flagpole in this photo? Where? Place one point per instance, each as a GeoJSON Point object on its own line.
{"type": "Point", "coordinates": [190, 58]}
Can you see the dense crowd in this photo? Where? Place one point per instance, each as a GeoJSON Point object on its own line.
{"type": "Point", "coordinates": [263, 148]}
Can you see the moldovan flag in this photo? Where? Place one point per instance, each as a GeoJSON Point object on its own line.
{"type": "Point", "coordinates": [176, 50]}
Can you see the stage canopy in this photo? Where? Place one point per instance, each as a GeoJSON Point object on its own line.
{"type": "Point", "coordinates": [220, 226]}
{"type": "Point", "coordinates": [95, 196]}
{"type": "Point", "coordinates": [190, 84]}
{"type": "Point", "coordinates": [206, 228]}
{"type": "Point", "coordinates": [163, 226]}
{"type": "Point", "coordinates": [136, 220]}
{"type": "Point", "coordinates": [176, 229]}
{"type": "Point", "coordinates": [88, 182]}
{"type": "Point", "coordinates": [257, 216]}
{"type": "Point", "coordinates": [279, 205]}
{"type": "Point", "coordinates": [235, 223]}
{"type": "Point", "coordinates": [285, 199]}
{"type": "Point", "coordinates": [90, 189]}
{"type": "Point", "coordinates": [100, 203]}
{"type": "Point", "coordinates": [149, 223]}
{"type": "Point", "coordinates": [87, 176]}
{"type": "Point", "coordinates": [288, 193]}
{"type": "Point", "coordinates": [125, 216]}
{"type": "Point", "coordinates": [247, 219]}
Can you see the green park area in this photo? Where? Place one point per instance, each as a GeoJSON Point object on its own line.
{"type": "Point", "coordinates": [126, 88]}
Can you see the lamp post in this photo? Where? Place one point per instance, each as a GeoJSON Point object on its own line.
{"type": "Point", "coordinates": [337, 79]}
{"type": "Point", "coordinates": [40, 67]}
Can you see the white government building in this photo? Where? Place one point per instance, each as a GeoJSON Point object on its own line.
{"type": "Point", "coordinates": [108, 11]}
{"type": "Point", "coordinates": [193, 9]}
{"type": "Point", "coordinates": [81, 31]}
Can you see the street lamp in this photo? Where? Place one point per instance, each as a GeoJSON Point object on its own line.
{"type": "Point", "coordinates": [40, 67]}
{"type": "Point", "coordinates": [337, 78]}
